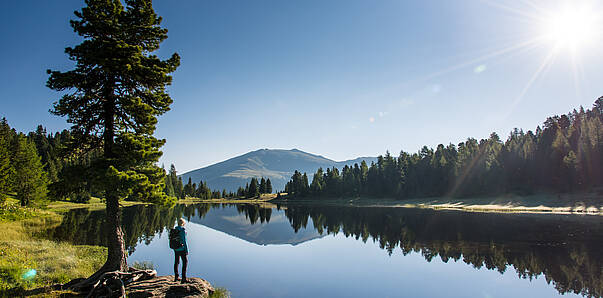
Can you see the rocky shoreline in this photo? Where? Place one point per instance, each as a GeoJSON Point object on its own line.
{"type": "Point", "coordinates": [165, 286]}
{"type": "Point", "coordinates": [147, 286]}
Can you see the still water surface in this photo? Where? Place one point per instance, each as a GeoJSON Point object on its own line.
{"type": "Point", "coordinates": [333, 251]}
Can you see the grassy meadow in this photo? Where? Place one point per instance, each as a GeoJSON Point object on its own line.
{"type": "Point", "coordinates": [27, 260]}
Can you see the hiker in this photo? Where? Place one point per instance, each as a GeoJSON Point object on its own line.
{"type": "Point", "coordinates": [181, 252]}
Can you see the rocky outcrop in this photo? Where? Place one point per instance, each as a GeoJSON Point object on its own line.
{"type": "Point", "coordinates": [165, 286]}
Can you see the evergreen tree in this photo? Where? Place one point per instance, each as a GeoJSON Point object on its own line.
{"type": "Point", "coordinates": [188, 188]}
{"type": "Point", "coordinates": [317, 182]}
{"type": "Point", "coordinates": [262, 185]}
{"type": "Point", "coordinates": [112, 99]}
{"type": "Point", "coordinates": [29, 178]}
{"type": "Point", "coordinates": [179, 189]}
{"type": "Point", "coordinates": [173, 178]}
{"type": "Point", "coordinates": [254, 190]}
{"type": "Point", "coordinates": [6, 169]}
{"type": "Point", "coordinates": [304, 187]}
{"type": "Point", "coordinates": [169, 186]}
{"type": "Point", "coordinates": [216, 194]}
{"type": "Point", "coordinates": [240, 192]}
{"type": "Point", "coordinates": [566, 155]}
{"type": "Point", "coordinates": [268, 186]}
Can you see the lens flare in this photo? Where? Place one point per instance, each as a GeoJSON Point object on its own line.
{"type": "Point", "coordinates": [29, 274]}
{"type": "Point", "coordinates": [480, 68]}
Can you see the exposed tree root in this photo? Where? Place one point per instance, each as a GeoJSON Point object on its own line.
{"type": "Point", "coordinates": [107, 284]}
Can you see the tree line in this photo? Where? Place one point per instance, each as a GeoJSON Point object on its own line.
{"type": "Point", "coordinates": [255, 188]}
{"type": "Point", "coordinates": [37, 166]}
{"type": "Point", "coordinates": [565, 155]}
{"type": "Point", "coordinates": [27, 163]}
{"type": "Point", "coordinates": [175, 188]}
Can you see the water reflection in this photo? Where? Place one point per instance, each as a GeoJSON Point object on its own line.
{"type": "Point", "coordinates": [255, 224]}
{"type": "Point", "coordinates": [140, 224]}
{"type": "Point", "coordinates": [566, 250]}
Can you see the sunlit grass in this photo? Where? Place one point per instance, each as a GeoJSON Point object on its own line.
{"type": "Point", "coordinates": [93, 204]}
{"type": "Point", "coordinates": [53, 262]}
{"type": "Point", "coordinates": [27, 261]}
{"type": "Point", "coordinates": [261, 198]}
{"type": "Point", "coordinates": [220, 293]}
{"type": "Point", "coordinates": [143, 265]}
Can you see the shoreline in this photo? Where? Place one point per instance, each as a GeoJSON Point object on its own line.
{"type": "Point", "coordinates": [24, 249]}
{"type": "Point", "coordinates": [573, 204]}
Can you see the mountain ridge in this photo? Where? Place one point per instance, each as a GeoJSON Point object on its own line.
{"type": "Point", "coordinates": [276, 164]}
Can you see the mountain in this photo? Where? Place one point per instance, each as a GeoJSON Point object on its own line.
{"type": "Point", "coordinates": [276, 164]}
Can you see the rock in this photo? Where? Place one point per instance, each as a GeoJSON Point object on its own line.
{"type": "Point", "coordinates": [164, 286]}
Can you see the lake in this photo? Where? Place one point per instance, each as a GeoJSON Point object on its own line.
{"type": "Point", "coordinates": [315, 250]}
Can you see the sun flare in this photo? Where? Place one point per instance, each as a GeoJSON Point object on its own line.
{"type": "Point", "coordinates": [572, 27]}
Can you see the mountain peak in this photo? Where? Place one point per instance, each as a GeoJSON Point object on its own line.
{"type": "Point", "coordinates": [276, 164]}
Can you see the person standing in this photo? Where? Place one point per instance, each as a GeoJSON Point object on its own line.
{"type": "Point", "coordinates": [182, 252]}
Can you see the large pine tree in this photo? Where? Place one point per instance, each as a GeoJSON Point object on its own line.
{"type": "Point", "coordinates": [112, 99]}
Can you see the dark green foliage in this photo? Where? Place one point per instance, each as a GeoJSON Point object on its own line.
{"type": "Point", "coordinates": [263, 185]}
{"type": "Point", "coordinates": [6, 169]}
{"type": "Point", "coordinates": [115, 93]}
{"type": "Point", "coordinates": [29, 181]}
{"type": "Point", "coordinates": [112, 98]}
{"type": "Point", "coordinates": [73, 183]}
{"type": "Point", "coordinates": [240, 192]}
{"type": "Point", "coordinates": [188, 188]}
{"type": "Point", "coordinates": [179, 188]}
{"type": "Point", "coordinates": [565, 156]}
{"type": "Point", "coordinates": [47, 147]}
{"type": "Point", "coordinates": [215, 194]}
{"type": "Point", "coordinates": [169, 187]}
{"type": "Point", "coordinates": [268, 186]}
{"type": "Point", "coordinates": [253, 188]}
{"type": "Point", "coordinates": [171, 181]}
{"type": "Point", "coordinates": [298, 186]}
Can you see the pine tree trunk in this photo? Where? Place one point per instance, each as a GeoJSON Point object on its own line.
{"type": "Point", "coordinates": [116, 251]}
{"type": "Point", "coordinates": [116, 255]}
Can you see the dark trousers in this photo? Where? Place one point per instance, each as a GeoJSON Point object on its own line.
{"type": "Point", "coordinates": [180, 255]}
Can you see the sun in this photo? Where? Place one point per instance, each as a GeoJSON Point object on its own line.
{"type": "Point", "coordinates": [572, 27]}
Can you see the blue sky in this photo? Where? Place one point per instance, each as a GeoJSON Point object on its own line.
{"type": "Point", "coordinates": [338, 78]}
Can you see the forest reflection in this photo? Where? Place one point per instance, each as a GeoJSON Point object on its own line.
{"type": "Point", "coordinates": [566, 250]}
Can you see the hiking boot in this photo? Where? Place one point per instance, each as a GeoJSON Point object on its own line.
{"type": "Point", "coordinates": [184, 280]}
{"type": "Point", "coordinates": [176, 278]}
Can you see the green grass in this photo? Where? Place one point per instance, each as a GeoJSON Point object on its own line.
{"type": "Point", "coordinates": [143, 265]}
{"type": "Point", "coordinates": [220, 293]}
{"type": "Point", "coordinates": [53, 262]}
{"type": "Point", "coordinates": [93, 204]}
{"type": "Point", "coordinates": [11, 212]}
{"type": "Point", "coordinates": [23, 250]}
{"type": "Point", "coordinates": [259, 199]}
